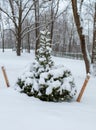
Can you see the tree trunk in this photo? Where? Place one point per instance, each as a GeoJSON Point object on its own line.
{"type": "Point", "coordinates": [36, 5]}
{"type": "Point", "coordinates": [18, 46]}
{"type": "Point", "coordinates": [19, 41]}
{"type": "Point", "coordinates": [81, 36]}
{"type": "Point", "coordinates": [70, 41]}
{"type": "Point", "coordinates": [19, 30]}
{"type": "Point", "coordinates": [94, 39]}
{"type": "Point", "coordinates": [93, 60]}
{"type": "Point", "coordinates": [2, 35]}
{"type": "Point", "coordinates": [28, 40]}
{"type": "Point", "coordinates": [52, 23]}
{"type": "Point", "coordinates": [3, 42]}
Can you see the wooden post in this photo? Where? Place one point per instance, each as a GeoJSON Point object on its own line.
{"type": "Point", "coordinates": [83, 88]}
{"type": "Point", "coordinates": [5, 76]}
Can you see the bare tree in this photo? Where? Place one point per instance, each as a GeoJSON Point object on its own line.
{"type": "Point", "coordinates": [93, 60]}
{"type": "Point", "coordinates": [2, 31]}
{"type": "Point", "coordinates": [81, 35]}
{"type": "Point", "coordinates": [94, 38]}
{"type": "Point", "coordinates": [37, 8]}
{"type": "Point", "coordinates": [27, 38]}
{"type": "Point", "coordinates": [54, 12]}
{"type": "Point", "coordinates": [18, 11]}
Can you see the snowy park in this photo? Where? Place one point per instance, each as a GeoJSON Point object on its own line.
{"type": "Point", "coordinates": [47, 65]}
{"type": "Point", "coordinates": [18, 111]}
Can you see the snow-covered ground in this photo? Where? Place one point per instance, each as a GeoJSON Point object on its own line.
{"type": "Point", "coordinates": [20, 112]}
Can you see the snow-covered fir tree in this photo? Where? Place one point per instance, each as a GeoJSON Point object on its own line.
{"type": "Point", "coordinates": [43, 79]}
{"type": "Point", "coordinates": [44, 52]}
{"type": "Point", "coordinates": [43, 56]}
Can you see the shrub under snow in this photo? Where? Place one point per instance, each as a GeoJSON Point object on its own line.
{"type": "Point", "coordinates": [55, 85]}
{"type": "Point", "coordinates": [44, 80]}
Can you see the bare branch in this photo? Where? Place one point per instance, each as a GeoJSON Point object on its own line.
{"type": "Point", "coordinates": [27, 12]}
{"type": "Point", "coordinates": [13, 13]}
{"type": "Point", "coordinates": [8, 16]}
{"type": "Point", "coordinates": [81, 3]}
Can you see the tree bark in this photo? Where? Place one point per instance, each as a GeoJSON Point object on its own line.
{"type": "Point", "coordinates": [28, 48]}
{"type": "Point", "coordinates": [2, 33]}
{"type": "Point", "coordinates": [52, 23]}
{"type": "Point", "coordinates": [3, 41]}
{"type": "Point", "coordinates": [94, 39]}
{"type": "Point", "coordinates": [81, 36]}
{"type": "Point", "coordinates": [54, 13]}
{"type": "Point", "coordinates": [36, 5]}
{"type": "Point", "coordinates": [18, 45]}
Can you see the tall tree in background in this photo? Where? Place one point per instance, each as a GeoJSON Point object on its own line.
{"type": "Point", "coordinates": [28, 39]}
{"type": "Point", "coordinates": [2, 32]}
{"type": "Point", "coordinates": [37, 6]}
{"type": "Point", "coordinates": [54, 12]}
{"type": "Point", "coordinates": [81, 35]}
{"type": "Point", "coordinates": [94, 43]}
{"type": "Point", "coordinates": [17, 13]}
{"type": "Point", "coordinates": [94, 38]}
{"type": "Point", "coordinates": [27, 34]}
{"type": "Point", "coordinates": [37, 32]}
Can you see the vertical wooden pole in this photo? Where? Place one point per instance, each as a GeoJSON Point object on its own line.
{"type": "Point", "coordinates": [83, 88]}
{"type": "Point", "coordinates": [5, 76]}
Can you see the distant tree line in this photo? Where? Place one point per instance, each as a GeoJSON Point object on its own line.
{"type": "Point", "coordinates": [21, 22]}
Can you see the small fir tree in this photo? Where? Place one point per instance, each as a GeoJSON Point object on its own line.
{"type": "Point", "coordinates": [43, 62]}
{"type": "Point", "coordinates": [44, 80]}
{"type": "Point", "coordinates": [43, 56]}
{"type": "Point", "coordinates": [44, 52]}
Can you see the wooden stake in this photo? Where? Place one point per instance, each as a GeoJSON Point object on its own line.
{"type": "Point", "coordinates": [83, 88]}
{"type": "Point", "coordinates": [5, 76]}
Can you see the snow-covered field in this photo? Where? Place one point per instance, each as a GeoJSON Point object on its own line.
{"type": "Point", "coordinates": [20, 112]}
